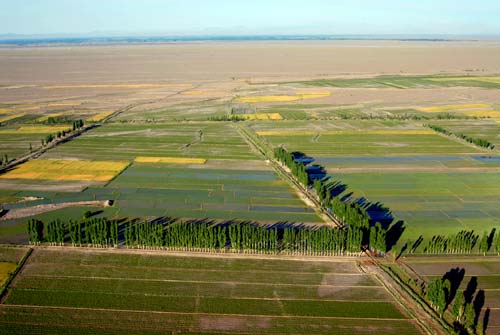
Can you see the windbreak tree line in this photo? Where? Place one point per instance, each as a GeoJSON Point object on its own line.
{"type": "Point", "coordinates": [51, 137]}
{"type": "Point", "coordinates": [463, 242]}
{"type": "Point", "coordinates": [194, 236]}
{"type": "Point", "coordinates": [351, 214]}
{"type": "Point", "coordinates": [476, 141]}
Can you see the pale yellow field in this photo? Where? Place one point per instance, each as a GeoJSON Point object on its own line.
{"type": "Point", "coordinates": [11, 117]}
{"type": "Point", "coordinates": [64, 104]}
{"type": "Point", "coordinates": [99, 117]}
{"type": "Point", "coordinates": [67, 170]}
{"type": "Point", "coordinates": [283, 98]}
{"type": "Point", "coordinates": [28, 108]}
{"type": "Point", "coordinates": [46, 117]}
{"type": "Point", "coordinates": [495, 80]}
{"type": "Point", "coordinates": [346, 132]}
{"type": "Point", "coordinates": [140, 86]}
{"type": "Point", "coordinates": [194, 92]}
{"type": "Point", "coordinates": [5, 269]}
{"type": "Point", "coordinates": [439, 109]}
{"type": "Point", "coordinates": [5, 110]}
{"type": "Point", "coordinates": [170, 160]}
{"type": "Point", "coordinates": [495, 114]}
{"type": "Point", "coordinates": [35, 130]}
{"type": "Point", "coordinates": [262, 116]}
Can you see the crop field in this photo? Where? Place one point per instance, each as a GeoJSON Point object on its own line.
{"type": "Point", "coordinates": [407, 82]}
{"type": "Point", "coordinates": [186, 140]}
{"type": "Point", "coordinates": [485, 129]}
{"type": "Point", "coordinates": [366, 142]}
{"type": "Point", "coordinates": [69, 291]}
{"type": "Point", "coordinates": [485, 272]}
{"type": "Point", "coordinates": [284, 98]}
{"type": "Point", "coordinates": [158, 189]}
{"type": "Point", "coordinates": [14, 144]}
{"type": "Point", "coordinates": [66, 170]}
{"type": "Point", "coordinates": [432, 203]}
{"type": "Point", "coordinates": [99, 117]}
{"type": "Point", "coordinates": [435, 184]}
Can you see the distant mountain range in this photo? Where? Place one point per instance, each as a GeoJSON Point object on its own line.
{"type": "Point", "coordinates": [13, 39]}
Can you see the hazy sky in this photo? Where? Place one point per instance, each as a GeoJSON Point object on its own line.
{"type": "Point", "coordinates": [251, 16]}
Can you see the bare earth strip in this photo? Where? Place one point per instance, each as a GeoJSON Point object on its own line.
{"type": "Point", "coordinates": [19, 213]}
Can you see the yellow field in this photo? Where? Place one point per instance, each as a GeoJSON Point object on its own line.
{"type": "Point", "coordinates": [99, 117]}
{"type": "Point", "coordinates": [346, 132]}
{"type": "Point", "coordinates": [64, 104]}
{"type": "Point", "coordinates": [11, 117]}
{"type": "Point", "coordinates": [5, 269]}
{"type": "Point", "coordinates": [283, 98]}
{"type": "Point", "coordinates": [262, 116]}
{"type": "Point", "coordinates": [194, 92]}
{"type": "Point", "coordinates": [495, 80]}
{"type": "Point", "coordinates": [28, 108]}
{"type": "Point", "coordinates": [5, 110]}
{"type": "Point", "coordinates": [439, 109]}
{"type": "Point", "coordinates": [116, 86]}
{"type": "Point", "coordinates": [483, 113]}
{"type": "Point", "coordinates": [67, 170]}
{"type": "Point", "coordinates": [46, 117]}
{"type": "Point", "coordinates": [36, 130]}
{"type": "Point", "coordinates": [170, 160]}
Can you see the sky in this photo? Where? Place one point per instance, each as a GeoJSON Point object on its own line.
{"type": "Point", "coordinates": [250, 17]}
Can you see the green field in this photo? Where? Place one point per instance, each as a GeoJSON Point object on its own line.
{"type": "Point", "coordinates": [483, 271]}
{"type": "Point", "coordinates": [196, 296]}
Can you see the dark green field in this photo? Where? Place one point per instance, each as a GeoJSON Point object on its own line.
{"type": "Point", "coordinates": [69, 291]}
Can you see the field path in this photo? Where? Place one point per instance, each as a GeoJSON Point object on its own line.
{"type": "Point", "coordinates": [424, 320]}
{"type": "Point", "coordinates": [19, 213]}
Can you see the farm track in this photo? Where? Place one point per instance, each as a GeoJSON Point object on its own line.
{"type": "Point", "coordinates": [283, 173]}
{"type": "Point", "coordinates": [426, 321]}
{"type": "Point", "coordinates": [19, 213]}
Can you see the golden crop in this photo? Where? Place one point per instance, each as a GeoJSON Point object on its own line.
{"type": "Point", "coordinates": [48, 169]}
{"type": "Point", "coordinates": [170, 160]}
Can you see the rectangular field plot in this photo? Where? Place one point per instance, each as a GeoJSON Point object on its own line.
{"type": "Point", "coordinates": [432, 203]}
{"type": "Point", "coordinates": [50, 169]}
{"type": "Point", "coordinates": [158, 189]}
{"type": "Point", "coordinates": [105, 293]}
{"type": "Point", "coordinates": [186, 140]}
{"type": "Point", "coordinates": [480, 275]}
{"type": "Point", "coordinates": [485, 129]}
{"type": "Point", "coordinates": [360, 143]}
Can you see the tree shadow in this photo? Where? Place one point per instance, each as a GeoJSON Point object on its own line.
{"type": "Point", "coordinates": [301, 157]}
{"type": "Point", "coordinates": [478, 305]}
{"type": "Point", "coordinates": [394, 233]}
{"type": "Point", "coordinates": [470, 290]}
{"type": "Point", "coordinates": [486, 319]}
{"type": "Point", "coordinates": [336, 188]}
{"type": "Point", "coordinates": [455, 276]}
{"type": "Point", "coordinates": [316, 172]}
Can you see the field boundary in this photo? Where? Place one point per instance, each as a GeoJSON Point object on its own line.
{"type": "Point", "coordinates": [10, 278]}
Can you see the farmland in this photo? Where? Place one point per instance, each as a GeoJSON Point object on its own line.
{"type": "Point", "coordinates": [184, 139]}
{"type": "Point", "coordinates": [480, 276]}
{"type": "Point", "coordinates": [200, 295]}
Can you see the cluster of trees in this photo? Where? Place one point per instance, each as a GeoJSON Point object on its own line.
{"type": "Point", "coordinates": [298, 169]}
{"type": "Point", "coordinates": [463, 242]}
{"type": "Point", "coordinates": [194, 236]}
{"type": "Point", "coordinates": [4, 160]}
{"type": "Point", "coordinates": [464, 313]}
{"type": "Point", "coordinates": [438, 294]}
{"type": "Point", "coordinates": [225, 117]}
{"type": "Point", "coordinates": [78, 124]}
{"type": "Point", "coordinates": [441, 295]}
{"type": "Point", "coordinates": [35, 231]}
{"type": "Point", "coordinates": [476, 141]}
